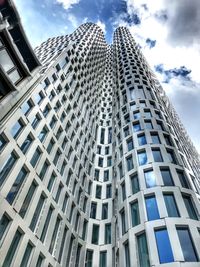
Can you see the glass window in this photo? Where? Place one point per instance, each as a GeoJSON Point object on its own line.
{"type": "Point", "coordinates": [56, 158]}
{"type": "Point", "coordinates": [51, 181]}
{"type": "Point", "coordinates": [95, 234]}
{"type": "Point", "coordinates": [106, 175]}
{"type": "Point", "coordinates": [98, 191]}
{"type": "Point", "coordinates": [190, 207]}
{"type": "Point", "coordinates": [27, 199]}
{"type": "Point", "coordinates": [183, 180]}
{"type": "Point", "coordinates": [135, 214]}
{"type": "Point", "coordinates": [27, 254]}
{"type": "Point", "coordinates": [17, 128]}
{"type": "Point", "coordinates": [142, 140]}
{"type": "Point", "coordinates": [70, 248]}
{"type": "Point", "coordinates": [3, 142]}
{"type": "Point", "coordinates": [187, 246]}
{"type": "Point", "coordinates": [132, 105]}
{"type": "Point", "coordinates": [12, 249]}
{"type": "Point", "coordinates": [43, 134]}
{"type": "Point", "coordinates": [167, 177]}
{"type": "Point", "coordinates": [26, 144]}
{"type": "Point", "coordinates": [129, 162]}
{"type": "Point", "coordinates": [150, 178]}
{"type": "Point", "coordinates": [35, 157]}
{"type": "Point", "coordinates": [40, 261]}
{"type": "Point", "coordinates": [121, 173]}
{"type": "Point", "coordinates": [53, 122]}
{"type": "Point", "coordinates": [37, 212]}
{"type": "Point", "coordinates": [62, 244]}
{"type": "Point", "coordinates": [171, 206]}
{"type": "Point", "coordinates": [84, 229]}
{"type": "Point", "coordinates": [46, 111]}
{"type": "Point", "coordinates": [123, 221]}
{"type": "Point", "coordinates": [44, 170]}
{"type": "Point", "coordinates": [142, 158]}
{"type": "Point", "coordinates": [108, 233]}
{"type": "Point", "coordinates": [171, 156]}
{"type": "Point", "coordinates": [143, 252]}
{"type": "Point", "coordinates": [103, 259]}
{"type": "Point", "coordinates": [89, 257]}
{"type": "Point", "coordinates": [163, 246]}
{"type": "Point", "coordinates": [160, 125]}
{"type": "Point", "coordinates": [50, 145]}
{"type": "Point", "coordinates": [16, 185]}
{"type": "Point", "coordinates": [130, 145]}
{"type": "Point", "coordinates": [132, 93]}
{"type": "Point", "coordinates": [136, 115]}
{"type": "Point", "coordinates": [157, 155]}
{"type": "Point", "coordinates": [126, 131]}
{"type": "Point", "coordinates": [127, 254]}
{"type": "Point", "coordinates": [54, 236]}
{"type": "Point", "coordinates": [108, 190]}
{"type": "Point", "coordinates": [36, 120]}
{"type": "Point", "coordinates": [46, 225]}
{"type": "Point", "coordinates": [65, 201]}
{"type": "Point", "coordinates": [26, 107]}
{"type": "Point", "coordinates": [8, 165]}
{"type": "Point", "coordinates": [147, 113]}
{"type": "Point", "coordinates": [100, 163]}
{"type": "Point", "coordinates": [152, 208]}
{"type": "Point", "coordinates": [38, 97]}
{"type": "Point", "coordinates": [168, 140]}
{"type": "Point", "coordinates": [60, 187]}
{"type": "Point", "coordinates": [93, 210]}
{"type": "Point", "coordinates": [134, 183]}
{"type": "Point", "coordinates": [78, 253]}
{"type": "Point", "coordinates": [155, 138]}
{"type": "Point", "coordinates": [105, 211]}
{"type": "Point", "coordinates": [109, 161]}
{"type": "Point", "coordinates": [123, 191]}
{"type": "Point", "coordinates": [6, 60]}
{"type": "Point", "coordinates": [102, 136]}
{"type": "Point", "coordinates": [148, 125]}
{"type": "Point", "coordinates": [14, 76]}
{"type": "Point", "coordinates": [136, 127]}
{"type": "Point", "coordinates": [4, 223]}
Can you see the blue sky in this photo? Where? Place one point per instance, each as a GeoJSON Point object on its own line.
{"type": "Point", "coordinates": [167, 31]}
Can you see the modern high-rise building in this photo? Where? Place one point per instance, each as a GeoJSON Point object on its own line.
{"type": "Point", "coordinates": [96, 169]}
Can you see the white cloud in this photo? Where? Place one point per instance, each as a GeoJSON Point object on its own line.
{"type": "Point", "coordinates": [68, 3]}
{"type": "Point", "coordinates": [101, 25]}
{"type": "Point", "coordinates": [73, 20]}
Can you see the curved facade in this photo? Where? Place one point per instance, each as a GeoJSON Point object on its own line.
{"type": "Point", "coordinates": [96, 167]}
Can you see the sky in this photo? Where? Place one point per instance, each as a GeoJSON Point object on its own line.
{"type": "Point", "coordinates": [168, 33]}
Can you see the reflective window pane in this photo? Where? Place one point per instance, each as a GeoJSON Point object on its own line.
{"type": "Point", "coordinates": [164, 246]}
{"type": "Point", "coordinates": [190, 207]}
{"type": "Point", "coordinates": [143, 252]}
{"type": "Point", "coordinates": [16, 185]}
{"type": "Point", "coordinates": [8, 165]}
{"type": "Point", "coordinates": [142, 158]}
{"type": "Point", "coordinates": [171, 206]}
{"type": "Point", "coordinates": [157, 155]}
{"type": "Point", "coordinates": [135, 214]}
{"type": "Point", "coordinates": [6, 60]}
{"type": "Point", "coordinates": [12, 249]}
{"type": "Point", "coordinates": [152, 208]}
{"type": "Point", "coordinates": [150, 178]}
{"type": "Point", "coordinates": [167, 177]}
{"type": "Point", "coordinates": [187, 245]}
